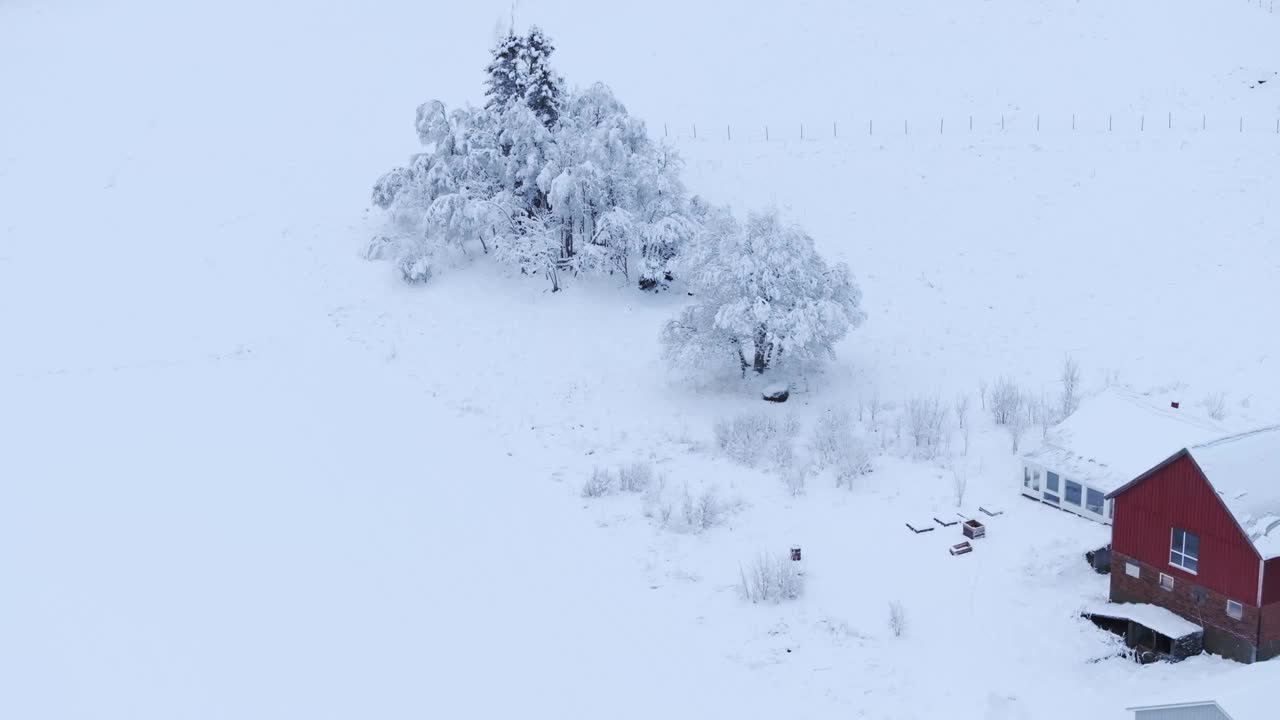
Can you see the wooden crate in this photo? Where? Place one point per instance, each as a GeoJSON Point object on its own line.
{"type": "Point", "coordinates": [973, 529]}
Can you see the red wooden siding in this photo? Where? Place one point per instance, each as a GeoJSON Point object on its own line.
{"type": "Point", "coordinates": [1178, 495]}
{"type": "Point", "coordinates": [1271, 585]}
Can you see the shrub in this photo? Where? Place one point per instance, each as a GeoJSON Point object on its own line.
{"type": "Point", "coordinates": [926, 418]}
{"type": "Point", "coordinates": [752, 437]}
{"type": "Point", "coordinates": [635, 477]}
{"type": "Point", "coordinates": [897, 619]}
{"type": "Point", "coordinates": [770, 579]}
{"type": "Point", "coordinates": [1215, 404]}
{"type": "Point", "coordinates": [600, 484]}
{"type": "Point", "coordinates": [832, 434]}
{"type": "Point", "coordinates": [1006, 400]}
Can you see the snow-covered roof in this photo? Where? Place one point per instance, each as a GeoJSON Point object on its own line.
{"type": "Point", "coordinates": [1245, 471]}
{"type": "Point", "coordinates": [1116, 435]}
{"type": "Point", "coordinates": [1155, 617]}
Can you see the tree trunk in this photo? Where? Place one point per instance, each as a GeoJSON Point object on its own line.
{"type": "Point", "coordinates": [762, 351]}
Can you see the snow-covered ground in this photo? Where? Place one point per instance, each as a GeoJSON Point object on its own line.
{"type": "Point", "coordinates": [244, 473]}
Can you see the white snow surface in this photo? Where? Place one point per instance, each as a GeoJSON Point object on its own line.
{"type": "Point", "coordinates": [1245, 470]}
{"type": "Point", "coordinates": [1117, 435]}
{"type": "Point", "coordinates": [245, 474]}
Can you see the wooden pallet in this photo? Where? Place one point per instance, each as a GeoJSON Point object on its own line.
{"type": "Point", "coordinates": [921, 529]}
{"type": "Point", "coordinates": [945, 523]}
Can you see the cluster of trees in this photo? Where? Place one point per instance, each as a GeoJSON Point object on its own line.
{"type": "Point", "coordinates": [562, 183]}
{"type": "Point", "coordinates": [553, 182]}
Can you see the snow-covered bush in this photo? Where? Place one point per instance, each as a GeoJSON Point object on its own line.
{"type": "Point", "coordinates": [703, 511]}
{"type": "Point", "coordinates": [959, 483]}
{"type": "Point", "coordinates": [600, 483]}
{"type": "Point", "coordinates": [763, 298]}
{"type": "Point", "coordinates": [962, 409]}
{"type": "Point", "coordinates": [751, 438]}
{"type": "Point", "coordinates": [546, 181]}
{"type": "Point", "coordinates": [926, 417]}
{"type": "Point", "coordinates": [1005, 400]}
{"type": "Point", "coordinates": [897, 618]}
{"type": "Point", "coordinates": [832, 434]}
{"type": "Point", "coordinates": [1215, 404]}
{"type": "Point", "coordinates": [855, 462]}
{"type": "Point", "coordinates": [1070, 386]}
{"type": "Point", "coordinates": [1016, 426]}
{"type": "Point", "coordinates": [635, 477]}
{"type": "Point", "coordinates": [795, 476]}
{"type": "Point", "coordinates": [770, 579]}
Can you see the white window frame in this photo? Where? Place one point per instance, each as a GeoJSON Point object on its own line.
{"type": "Point", "coordinates": [1132, 570]}
{"type": "Point", "coordinates": [1239, 613]}
{"type": "Point", "coordinates": [1169, 578]}
{"type": "Point", "coordinates": [1182, 551]}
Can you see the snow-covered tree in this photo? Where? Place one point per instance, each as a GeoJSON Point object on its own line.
{"type": "Point", "coordinates": [506, 77]}
{"type": "Point", "coordinates": [551, 183]}
{"type": "Point", "coordinates": [764, 297]}
{"type": "Point", "coordinates": [543, 88]}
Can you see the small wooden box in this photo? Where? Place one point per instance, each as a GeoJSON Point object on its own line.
{"type": "Point", "coordinates": [973, 529]}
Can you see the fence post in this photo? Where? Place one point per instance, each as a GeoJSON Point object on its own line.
{"type": "Point", "coordinates": [1037, 123]}
{"type": "Point", "coordinates": [1002, 122]}
{"type": "Point", "coordinates": [664, 129]}
{"type": "Point", "coordinates": [835, 133]}
{"type": "Point", "coordinates": [1073, 122]}
{"type": "Point", "coordinates": [970, 123]}
{"type": "Point", "coordinates": [695, 131]}
{"type": "Point", "coordinates": [728, 133]}
{"type": "Point", "coordinates": [871, 127]}
{"type": "Point", "coordinates": [1142, 124]}
{"type": "Point", "coordinates": [1170, 120]}
{"type": "Point", "coordinates": [904, 127]}
{"type": "Point", "coordinates": [940, 122]}
{"type": "Point", "coordinates": [766, 133]}
{"type": "Point", "coordinates": [801, 131]}
{"type": "Point", "coordinates": [1109, 123]}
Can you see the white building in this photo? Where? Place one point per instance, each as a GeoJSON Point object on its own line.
{"type": "Point", "coordinates": [1112, 438]}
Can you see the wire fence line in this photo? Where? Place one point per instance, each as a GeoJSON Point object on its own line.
{"type": "Point", "coordinates": [1112, 123]}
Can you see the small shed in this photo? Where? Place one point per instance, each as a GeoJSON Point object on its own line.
{"type": "Point", "coordinates": [1203, 710]}
{"type": "Point", "coordinates": [1112, 438]}
{"type": "Point", "coordinates": [1153, 632]}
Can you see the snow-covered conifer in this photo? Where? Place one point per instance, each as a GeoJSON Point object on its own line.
{"type": "Point", "coordinates": [506, 78]}
{"type": "Point", "coordinates": [543, 88]}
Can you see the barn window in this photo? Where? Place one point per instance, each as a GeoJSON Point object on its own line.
{"type": "Point", "coordinates": [1073, 492]}
{"type": "Point", "coordinates": [1026, 476]}
{"type": "Point", "coordinates": [1184, 550]}
{"type": "Point", "coordinates": [1132, 570]}
{"type": "Point", "coordinates": [1093, 501]}
{"type": "Point", "coordinates": [1051, 481]}
{"type": "Point", "coordinates": [1166, 582]}
{"type": "Point", "coordinates": [1035, 480]}
{"type": "Point", "coordinates": [1235, 610]}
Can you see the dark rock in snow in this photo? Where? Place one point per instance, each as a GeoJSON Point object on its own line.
{"type": "Point", "coordinates": [777, 393]}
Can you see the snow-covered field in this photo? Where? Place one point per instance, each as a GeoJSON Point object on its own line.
{"type": "Point", "coordinates": [244, 473]}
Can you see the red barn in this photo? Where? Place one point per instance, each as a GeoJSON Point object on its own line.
{"type": "Point", "coordinates": [1197, 534]}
